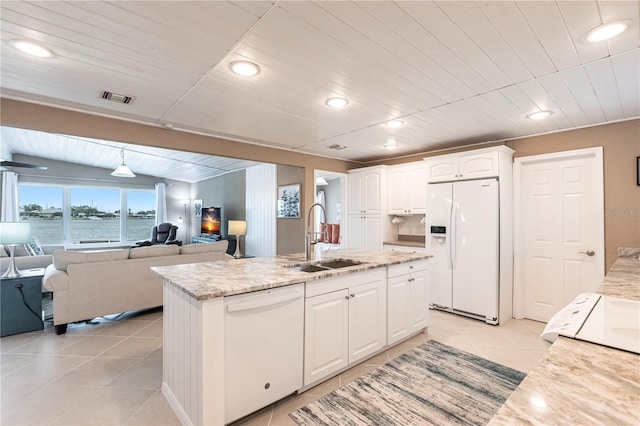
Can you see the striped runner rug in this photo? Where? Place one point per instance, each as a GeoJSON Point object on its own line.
{"type": "Point", "coordinates": [433, 384]}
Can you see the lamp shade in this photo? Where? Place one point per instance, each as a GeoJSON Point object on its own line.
{"type": "Point", "coordinates": [237, 227]}
{"type": "Point", "coordinates": [15, 232]}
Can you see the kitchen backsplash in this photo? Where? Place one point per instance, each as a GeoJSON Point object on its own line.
{"type": "Point", "coordinates": [411, 225]}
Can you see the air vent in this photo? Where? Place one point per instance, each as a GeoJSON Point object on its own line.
{"type": "Point", "coordinates": [117, 97]}
{"type": "Point", "coordinates": [336, 147]}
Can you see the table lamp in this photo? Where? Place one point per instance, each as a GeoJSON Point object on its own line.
{"type": "Point", "coordinates": [12, 234]}
{"type": "Point", "coordinates": [237, 228]}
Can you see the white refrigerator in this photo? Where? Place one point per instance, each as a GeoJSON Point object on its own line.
{"type": "Point", "coordinates": [463, 235]}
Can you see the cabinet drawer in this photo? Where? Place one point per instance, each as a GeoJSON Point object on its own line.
{"type": "Point", "coordinates": [328, 285]}
{"type": "Point", "coordinates": [407, 268]}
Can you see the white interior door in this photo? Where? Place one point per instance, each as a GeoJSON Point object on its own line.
{"type": "Point", "coordinates": [560, 230]}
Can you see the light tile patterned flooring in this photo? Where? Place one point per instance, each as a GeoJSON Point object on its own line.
{"type": "Point", "coordinates": [110, 372]}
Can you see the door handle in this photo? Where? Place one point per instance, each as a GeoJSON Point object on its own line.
{"type": "Point", "coordinates": [588, 252]}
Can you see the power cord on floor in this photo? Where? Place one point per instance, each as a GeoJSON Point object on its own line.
{"type": "Point", "coordinates": [24, 300]}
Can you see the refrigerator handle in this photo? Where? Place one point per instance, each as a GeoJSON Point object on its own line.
{"type": "Point", "coordinates": [452, 236]}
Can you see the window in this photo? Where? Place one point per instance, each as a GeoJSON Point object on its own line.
{"type": "Point", "coordinates": [42, 206]}
{"type": "Point", "coordinates": [87, 215]}
{"type": "Point", "coordinates": [141, 216]}
{"type": "Point", "coordinates": [93, 218]}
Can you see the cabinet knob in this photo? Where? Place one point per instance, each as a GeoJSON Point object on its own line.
{"type": "Point", "coordinates": [346, 297]}
{"type": "Point", "coordinates": [353, 295]}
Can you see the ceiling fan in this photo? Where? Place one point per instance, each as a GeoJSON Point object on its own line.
{"type": "Point", "coordinates": [5, 163]}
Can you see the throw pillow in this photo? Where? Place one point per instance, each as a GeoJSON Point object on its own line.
{"type": "Point", "coordinates": [34, 247]}
{"type": "Point", "coordinates": [29, 249]}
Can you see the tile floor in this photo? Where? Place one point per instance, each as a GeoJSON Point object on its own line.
{"type": "Point", "coordinates": [110, 372]}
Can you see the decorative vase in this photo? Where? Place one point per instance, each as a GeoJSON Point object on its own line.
{"type": "Point", "coordinates": [323, 226]}
{"type": "Point", "coordinates": [329, 232]}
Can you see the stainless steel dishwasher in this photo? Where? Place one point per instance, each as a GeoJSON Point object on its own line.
{"type": "Point", "coordinates": [263, 347]}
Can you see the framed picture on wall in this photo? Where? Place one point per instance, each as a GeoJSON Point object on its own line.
{"type": "Point", "coordinates": [289, 201]}
{"type": "Point", "coordinates": [197, 208]}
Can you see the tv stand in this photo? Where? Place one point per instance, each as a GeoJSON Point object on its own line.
{"type": "Point", "coordinates": [204, 240]}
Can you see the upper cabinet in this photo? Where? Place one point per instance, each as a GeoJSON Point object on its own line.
{"type": "Point", "coordinates": [365, 192]}
{"type": "Point", "coordinates": [474, 164]}
{"type": "Point", "coordinates": [407, 188]}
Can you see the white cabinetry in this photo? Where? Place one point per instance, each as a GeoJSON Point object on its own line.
{"type": "Point", "coordinates": [366, 225]}
{"type": "Point", "coordinates": [474, 164]}
{"type": "Point", "coordinates": [406, 188]}
{"type": "Point", "coordinates": [365, 232]}
{"type": "Point", "coordinates": [345, 321]}
{"type": "Point", "coordinates": [408, 305]}
{"type": "Point", "coordinates": [366, 190]}
{"type": "Point", "coordinates": [406, 249]}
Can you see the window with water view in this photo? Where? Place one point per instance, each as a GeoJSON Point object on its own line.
{"type": "Point", "coordinates": [87, 215]}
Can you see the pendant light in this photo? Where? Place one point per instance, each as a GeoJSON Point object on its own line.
{"type": "Point", "coordinates": [320, 181]}
{"type": "Point", "coordinates": [123, 170]}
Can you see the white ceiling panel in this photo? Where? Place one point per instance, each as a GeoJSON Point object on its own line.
{"type": "Point", "coordinates": [456, 72]}
{"type": "Point", "coordinates": [150, 161]}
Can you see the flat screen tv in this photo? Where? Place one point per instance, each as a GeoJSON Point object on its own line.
{"type": "Point", "coordinates": [210, 223]}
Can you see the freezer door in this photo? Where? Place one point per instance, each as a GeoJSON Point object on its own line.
{"type": "Point", "coordinates": [439, 208]}
{"type": "Point", "coordinates": [475, 252]}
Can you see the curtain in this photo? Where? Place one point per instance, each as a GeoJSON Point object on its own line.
{"type": "Point", "coordinates": [9, 208]}
{"type": "Point", "coordinates": [161, 203]}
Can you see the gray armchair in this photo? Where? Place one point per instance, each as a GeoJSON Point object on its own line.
{"type": "Point", "coordinates": [164, 233]}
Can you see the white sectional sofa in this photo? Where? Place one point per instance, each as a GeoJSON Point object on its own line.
{"type": "Point", "coordinates": [90, 284]}
{"type": "Point", "coordinates": [24, 261]}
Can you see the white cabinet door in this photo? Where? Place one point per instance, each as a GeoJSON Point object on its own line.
{"type": "Point", "coordinates": [396, 190]}
{"type": "Point", "coordinates": [372, 232]}
{"type": "Point", "coordinates": [373, 192]}
{"type": "Point", "coordinates": [474, 166]}
{"type": "Point", "coordinates": [367, 319]}
{"type": "Point", "coordinates": [416, 188]}
{"type": "Point", "coordinates": [326, 343]}
{"type": "Point", "coordinates": [408, 305]}
{"type": "Point", "coordinates": [364, 232]}
{"type": "Point", "coordinates": [398, 313]}
{"type": "Point", "coordinates": [442, 169]}
{"type": "Point", "coordinates": [355, 193]}
{"type": "Point", "coordinates": [419, 301]}
{"type": "Point", "coordinates": [407, 189]}
{"type": "Point", "coordinates": [365, 191]}
{"type": "Point", "coordinates": [355, 232]}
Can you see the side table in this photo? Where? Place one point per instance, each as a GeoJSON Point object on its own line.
{"type": "Point", "coordinates": [21, 303]}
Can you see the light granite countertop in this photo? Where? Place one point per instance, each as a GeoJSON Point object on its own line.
{"type": "Point", "coordinates": [209, 280]}
{"type": "Point", "coordinates": [580, 383]}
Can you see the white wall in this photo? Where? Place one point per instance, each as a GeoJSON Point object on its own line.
{"type": "Point", "coordinates": [261, 198]}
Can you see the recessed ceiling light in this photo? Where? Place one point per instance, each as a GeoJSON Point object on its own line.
{"type": "Point", "coordinates": [31, 48]}
{"type": "Point", "coordinates": [539, 115]}
{"type": "Point", "coordinates": [607, 31]}
{"type": "Point", "coordinates": [337, 102]}
{"type": "Point", "coordinates": [244, 68]}
{"type": "Point", "coordinates": [391, 144]}
{"type": "Point", "coordinates": [394, 124]}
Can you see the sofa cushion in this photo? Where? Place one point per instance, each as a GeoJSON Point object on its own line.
{"type": "Point", "coordinates": [153, 251]}
{"type": "Point", "coordinates": [217, 247]}
{"type": "Point", "coordinates": [63, 258]}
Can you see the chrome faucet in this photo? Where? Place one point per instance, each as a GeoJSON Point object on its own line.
{"type": "Point", "coordinates": [309, 238]}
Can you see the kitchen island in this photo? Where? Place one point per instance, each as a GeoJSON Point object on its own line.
{"type": "Point", "coordinates": [340, 314]}
{"type": "Point", "coordinates": [579, 382]}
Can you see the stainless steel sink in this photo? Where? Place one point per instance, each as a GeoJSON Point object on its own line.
{"type": "Point", "coordinates": [339, 263]}
{"type": "Point", "coordinates": [308, 268]}
{"type": "Point", "coordinates": [325, 265]}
